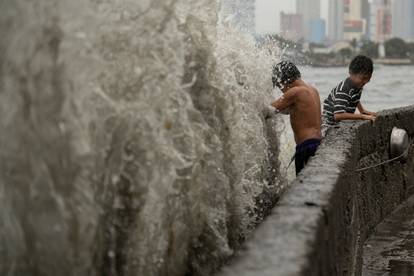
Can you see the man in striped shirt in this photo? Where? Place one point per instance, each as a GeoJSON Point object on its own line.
{"type": "Point", "coordinates": [344, 99]}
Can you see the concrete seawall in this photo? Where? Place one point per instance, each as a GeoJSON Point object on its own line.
{"type": "Point", "coordinates": [321, 222]}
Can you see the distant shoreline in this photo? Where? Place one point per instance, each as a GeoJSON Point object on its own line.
{"type": "Point", "coordinates": [386, 61]}
{"type": "Point", "coordinates": [389, 61]}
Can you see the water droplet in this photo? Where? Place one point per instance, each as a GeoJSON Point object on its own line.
{"type": "Point", "coordinates": [115, 179]}
{"type": "Point", "coordinates": [57, 228]}
{"type": "Point", "coordinates": [138, 70]}
{"type": "Point", "coordinates": [111, 254]}
{"type": "Point", "coordinates": [80, 35]}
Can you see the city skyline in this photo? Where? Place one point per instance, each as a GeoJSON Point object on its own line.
{"type": "Point", "coordinates": [336, 20]}
{"type": "Point", "coordinates": [310, 11]}
{"type": "Point", "coordinates": [268, 13]}
{"type": "Point", "coordinates": [403, 28]}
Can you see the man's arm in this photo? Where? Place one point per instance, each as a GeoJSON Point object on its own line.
{"type": "Point", "coordinates": [281, 105]}
{"type": "Point", "coordinates": [342, 101]}
{"type": "Point", "coordinates": [362, 110]}
{"type": "Point", "coordinates": [286, 100]}
{"type": "Point", "coordinates": [352, 116]}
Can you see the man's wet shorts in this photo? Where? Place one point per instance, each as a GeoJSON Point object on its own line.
{"type": "Point", "coordinates": [304, 151]}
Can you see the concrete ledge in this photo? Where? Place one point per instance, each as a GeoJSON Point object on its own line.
{"type": "Point", "coordinates": [321, 222]}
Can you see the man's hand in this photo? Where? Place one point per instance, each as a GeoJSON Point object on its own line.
{"type": "Point", "coordinates": [362, 110]}
{"type": "Point", "coordinates": [269, 111]}
{"type": "Point", "coordinates": [368, 117]}
{"type": "Point", "coordinates": [366, 112]}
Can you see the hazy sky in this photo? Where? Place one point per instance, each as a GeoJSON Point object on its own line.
{"type": "Point", "coordinates": [267, 13]}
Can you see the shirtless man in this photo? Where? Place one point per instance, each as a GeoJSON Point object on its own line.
{"type": "Point", "coordinates": [303, 104]}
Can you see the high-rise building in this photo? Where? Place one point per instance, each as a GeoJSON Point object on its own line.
{"type": "Point", "coordinates": [380, 20]}
{"type": "Point", "coordinates": [310, 10]}
{"type": "Point", "coordinates": [291, 26]}
{"type": "Point", "coordinates": [355, 25]}
{"type": "Point", "coordinates": [318, 31]}
{"type": "Point", "coordinates": [348, 19]}
{"type": "Point", "coordinates": [335, 20]}
{"type": "Point", "coordinates": [403, 19]}
{"type": "Point", "coordinates": [365, 15]}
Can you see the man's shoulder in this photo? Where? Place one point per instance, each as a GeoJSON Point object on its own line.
{"type": "Point", "coordinates": [295, 89]}
{"type": "Point", "coordinates": [303, 89]}
{"type": "Point", "coordinates": [313, 89]}
{"type": "Point", "coordinates": [346, 85]}
{"type": "Point", "coordinates": [294, 92]}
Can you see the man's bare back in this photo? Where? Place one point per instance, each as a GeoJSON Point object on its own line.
{"type": "Point", "coordinates": [305, 114]}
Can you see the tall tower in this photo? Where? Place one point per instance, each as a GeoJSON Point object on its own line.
{"type": "Point", "coordinates": [336, 20]}
{"type": "Point", "coordinates": [365, 15]}
{"type": "Point", "coordinates": [380, 20]}
{"type": "Point", "coordinates": [403, 19]}
{"type": "Point", "coordinates": [355, 22]}
{"type": "Point", "coordinates": [310, 11]}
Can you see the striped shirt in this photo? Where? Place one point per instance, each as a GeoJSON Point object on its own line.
{"type": "Point", "coordinates": [344, 98]}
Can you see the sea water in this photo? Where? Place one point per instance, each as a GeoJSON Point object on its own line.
{"type": "Point", "coordinates": [132, 140]}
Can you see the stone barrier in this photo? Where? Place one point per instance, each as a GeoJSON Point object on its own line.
{"type": "Point", "coordinates": [322, 221]}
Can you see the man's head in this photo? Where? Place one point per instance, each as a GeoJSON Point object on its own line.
{"type": "Point", "coordinates": [360, 70]}
{"type": "Point", "coordinates": [284, 73]}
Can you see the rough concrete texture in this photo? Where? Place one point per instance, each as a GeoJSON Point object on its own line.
{"type": "Point", "coordinates": [322, 221]}
{"type": "Point", "coordinates": [390, 249]}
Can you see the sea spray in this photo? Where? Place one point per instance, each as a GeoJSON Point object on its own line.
{"type": "Point", "coordinates": [132, 140]}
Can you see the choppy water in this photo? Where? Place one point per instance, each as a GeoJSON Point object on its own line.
{"type": "Point", "coordinates": [132, 140]}
{"type": "Point", "coordinates": [131, 136]}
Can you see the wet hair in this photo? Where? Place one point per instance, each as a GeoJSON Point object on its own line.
{"type": "Point", "coordinates": [361, 65]}
{"type": "Point", "coordinates": [284, 73]}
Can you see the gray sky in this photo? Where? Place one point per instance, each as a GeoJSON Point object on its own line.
{"type": "Point", "coordinates": [267, 13]}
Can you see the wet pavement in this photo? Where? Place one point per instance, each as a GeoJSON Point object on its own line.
{"type": "Point", "coordinates": [390, 249]}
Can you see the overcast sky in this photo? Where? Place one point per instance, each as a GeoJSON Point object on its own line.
{"type": "Point", "coordinates": [268, 11]}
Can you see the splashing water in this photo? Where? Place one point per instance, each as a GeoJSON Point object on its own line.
{"type": "Point", "coordinates": [132, 141]}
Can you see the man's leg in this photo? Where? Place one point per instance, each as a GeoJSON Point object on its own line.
{"type": "Point", "coordinates": [299, 162]}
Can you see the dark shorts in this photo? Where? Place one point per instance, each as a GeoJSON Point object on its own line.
{"type": "Point", "coordinates": [304, 151]}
